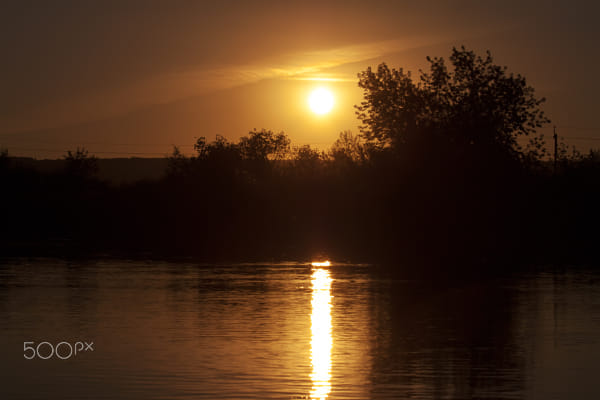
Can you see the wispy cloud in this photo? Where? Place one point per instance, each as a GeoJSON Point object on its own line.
{"type": "Point", "coordinates": [182, 84]}
{"type": "Point", "coordinates": [316, 65]}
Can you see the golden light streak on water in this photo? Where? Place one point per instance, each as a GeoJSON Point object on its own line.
{"type": "Point", "coordinates": [321, 264]}
{"type": "Point", "coordinates": [322, 339]}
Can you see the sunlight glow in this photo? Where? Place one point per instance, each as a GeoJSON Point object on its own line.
{"type": "Point", "coordinates": [322, 339]}
{"type": "Point", "coordinates": [321, 263]}
{"type": "Point", "coordinates": [321, 101]}
{"type": "Point", "coordinates": [322, 79]}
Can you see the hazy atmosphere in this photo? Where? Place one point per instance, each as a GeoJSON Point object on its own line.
{"type": "Point", "coordinates": [135, 78]}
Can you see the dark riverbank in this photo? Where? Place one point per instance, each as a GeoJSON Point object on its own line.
{"type": "Point", "coordinates": [462, 217]}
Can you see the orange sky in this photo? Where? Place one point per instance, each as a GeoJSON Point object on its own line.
{"type": "Point", "coordinates": [131, 77]}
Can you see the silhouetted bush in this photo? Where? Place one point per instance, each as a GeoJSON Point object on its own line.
{"type": "Point", "coordinates": [80, 164]}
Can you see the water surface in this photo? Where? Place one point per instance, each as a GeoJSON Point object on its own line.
{"type": "Point", "coordinates": [289, 331]}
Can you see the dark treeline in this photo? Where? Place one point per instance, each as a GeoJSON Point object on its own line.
{"type": "Point", "coordinates": [447, 171]}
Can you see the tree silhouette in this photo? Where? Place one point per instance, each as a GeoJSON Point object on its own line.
{"type": "Point", "coordinates": [307, 154]}
{"type": "Point", "coordinates": [307, 160]}
{"type": "Point", "coordinates": [4, 160]}
{"type": "Point", "coordinates": [219, 152]}
{"type": "Point", "coordinates": [264, 145]}
{"type": "Point", "coordinates": [348, 148]}
{"type": "Point", "coordinates": [177, 163]}
{"type": "Point", "coordinates": [252, 154]}
{"type": "Point", "coordinates": [80, 164]}
{"type": "Point", "coordinates": [475, 104]}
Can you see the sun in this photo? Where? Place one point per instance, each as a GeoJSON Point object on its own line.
{"type": "Point", "coordinates": [321, 101]}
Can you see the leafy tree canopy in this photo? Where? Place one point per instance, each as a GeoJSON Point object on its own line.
{"type": "Point", "coordinates": [264, 145]}
{"type": "Point", "coordinates": [473, 103]}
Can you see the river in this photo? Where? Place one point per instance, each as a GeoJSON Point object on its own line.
{"type": "Point", "coordinates": [166, 330]}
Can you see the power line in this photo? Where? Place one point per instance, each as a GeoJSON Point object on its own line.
{"type": "Point", "coordinates": [95, 152]}
{"type": "Point", "coordinates": [582, 138]}
{"type": "Point", "coordinates": [107, 144]}
{"type": "Point", "coordinates": [581, 128]}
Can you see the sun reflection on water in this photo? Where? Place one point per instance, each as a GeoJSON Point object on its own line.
{"type": "Point", "coordinates": [321, 263]}
{"type": "Point", "coordinates": [322, 339]}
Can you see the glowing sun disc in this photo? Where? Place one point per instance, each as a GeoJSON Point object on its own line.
{"type": "Point", "coordinates": [320, 101]}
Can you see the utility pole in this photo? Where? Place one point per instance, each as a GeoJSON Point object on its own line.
{"type": "Point", "coordinates": [555, 149]}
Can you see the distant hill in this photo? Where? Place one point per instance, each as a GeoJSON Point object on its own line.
{"type": "Point", "coordinates": [113, 170]}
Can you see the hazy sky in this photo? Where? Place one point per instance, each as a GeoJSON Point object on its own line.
{"type": "Point", "coordinates": [136, 76]}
